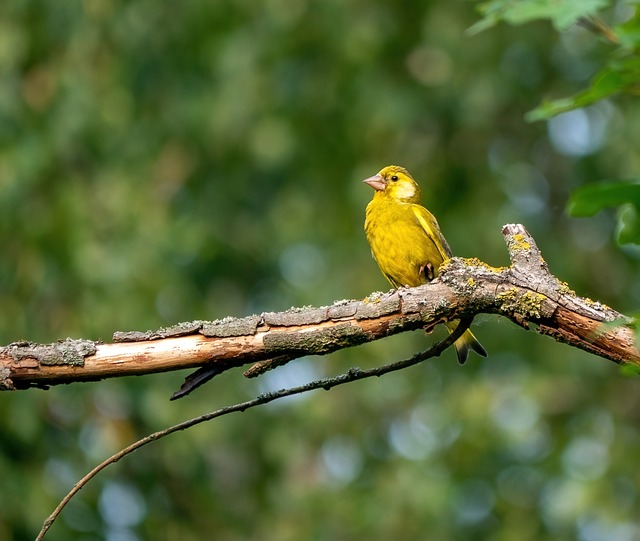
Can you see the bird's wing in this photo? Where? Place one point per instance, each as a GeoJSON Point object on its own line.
{"type": "Point", "coordinates": [430, 225]}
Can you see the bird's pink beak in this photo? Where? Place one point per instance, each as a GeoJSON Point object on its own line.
{"type": "Point", "coordinates": [376, 182]}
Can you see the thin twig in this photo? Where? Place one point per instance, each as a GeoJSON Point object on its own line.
{"type": "Point", "coordinates": [598, 26]}
{"type": "Point", "coordinates": [353, 374]}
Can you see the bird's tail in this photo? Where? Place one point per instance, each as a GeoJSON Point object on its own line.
{"type": "Point", "coordinates": [465, 343]}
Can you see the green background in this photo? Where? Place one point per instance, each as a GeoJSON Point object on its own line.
{"type": "Point", "coordinates": [171, 161]}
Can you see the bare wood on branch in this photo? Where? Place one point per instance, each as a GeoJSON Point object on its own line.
{"type": "Point", "coordinates": [525, 292]}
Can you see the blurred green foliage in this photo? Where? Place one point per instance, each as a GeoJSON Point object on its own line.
{"type": "Point", "coordinates": [620, 74]}
{"type": "Point", "coordinates": [162, 162]}
{"type": "Point", "coordinates": [592, 198]}
{"type": "Point", "coordinates": [561, 13]}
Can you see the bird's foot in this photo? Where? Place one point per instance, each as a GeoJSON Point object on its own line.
{"type": "Point", "coordinates": [427, 271]}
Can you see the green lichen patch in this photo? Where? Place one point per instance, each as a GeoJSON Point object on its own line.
{"type": "Point", "coordinates": [528, 304]}
{"type": "Point", "coordinates": [596, 305]}
{"type": "Point", "coordinates": [342, 311]}
{"type": "Point", "coordinates": [564, 289]}
{"type": "Point", "coordinates": [478, 263]}
{"type": "Point", "coordinates": [387, 305]}
{"type": "Point", "coordinates": [231, 326]}
{"type": "Point", "coordinates": [73, 352]}
{"type": "Point", "coordinates": [519, 242]}
{"type": "Point", "coordinates": [179, 329]}
{"type": "Point", "coordinates": [65, 352]}
{"type": "Point", "coordinates": [375, 297]}
{"type": "Point", "coordinates": [308, 315]}
{"type": "Point", "coordinates": [317, 342]}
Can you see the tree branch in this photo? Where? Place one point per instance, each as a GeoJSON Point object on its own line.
{"type": "Point", "coordinates": [524, 292]}
{"type": "Point", "coordinates": [354, 374]}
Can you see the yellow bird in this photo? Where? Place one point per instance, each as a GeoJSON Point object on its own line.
{"type": "Point", "coordinates": [406, 240]}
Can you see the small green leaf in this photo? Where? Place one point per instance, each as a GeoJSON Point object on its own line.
{"type": "Point", "coordinates": [550, 108]}
{"type": "Point", "coordinates": [483, 24]}
{"type": "Point", "coordinates": [629, 370]}
{"type": "Point", "coordinates": [629, 32]}
{"type": "Point", "coordinates": [589, 200]}
{"type": "Point", "coordinates": [620, 75]}
{"type": "Point", "coordinates": [628, 230]}
{"type": "Point", "coordinates": [561, 13]}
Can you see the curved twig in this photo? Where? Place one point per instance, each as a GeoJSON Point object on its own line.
{"type": "Point", "coordinates": [354, 374]}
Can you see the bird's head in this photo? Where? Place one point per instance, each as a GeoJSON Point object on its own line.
{"type": "Point", "coordinates": [396, 183]}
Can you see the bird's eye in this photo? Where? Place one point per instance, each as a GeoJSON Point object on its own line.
{"type": "Point", "coordinates": [394, 178]}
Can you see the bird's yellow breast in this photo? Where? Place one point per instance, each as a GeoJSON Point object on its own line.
{"type": "Point", "coordinates": [399, 242]}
